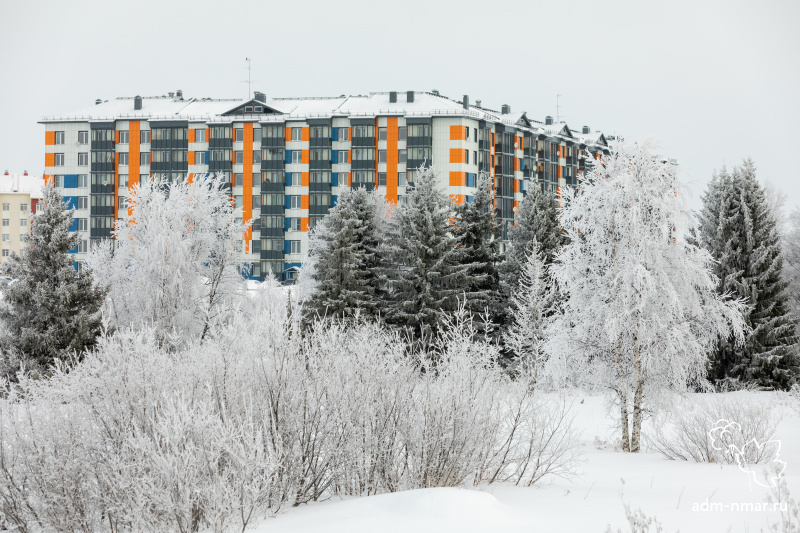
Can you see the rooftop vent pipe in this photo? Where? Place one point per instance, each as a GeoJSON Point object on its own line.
{"type": "Point", "coordinates": [477, 103]}
{"type": "Point", "coordinates": [409, 96]}
{"type": "Point", "coordinates": [393, 97]}
{"type": "Point", "coordinates": [586, 130]}
{"type": "Point", "coordinates": [548, 121]}
{"type": "Point", "coordinates": [179, 94]}
{"type": "Point", "coordinates": [98, 102]}
{"type": "Point", "coordinates": [259, 96]}
{"type": "Point", "coordinates": [465, 102]}
{"type": "Point", "coordinates": [137, 103]}
{"type": "Point", "coordinates": [171, 95]}
{"type": "Point", "coordinates": [506, 109]}
{"type": "Point", "coordinates": [435, 92]}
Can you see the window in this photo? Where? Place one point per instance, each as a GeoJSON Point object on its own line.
{"type": "Point", "coordinates": [466, 156]}
{"type": "Point", "coordinates": [123, 180]}
{"type": "Point", "coordinates": [271, 177]}
{"type": "Point", "coordinates": [381, 156]}
{"type": "Point", "coordinates": [320, 177]}
{"type": "Point", "coordinates": [59, 160]}
{"type": "Point", "coordinates": [123, 158]}
{"type": "Point", "coordinates": [256, 157]}
{"type": "Point", "coordinates": [272, 199]}
{"type": "Point", "coordinates": [144, 158]}
{"type": "Point", "coordinates": [474, 157]}
{"type": "Point", "coordinates": [475, 134]}
{"type": "Point", "coordinates": [123, 136]}
{"type": "Point", "coordinates": [220, 155]}
{"type": "Point", "coordinates": [144, 136]}
{"type": "Point", "coordinates": [344, 134]}
{"type": "Point", "coordinates": [320, 154]}
{"type": "Point", "coordinates": [238, 201]}
{"type": "Point", "coordinates": [402, 133]}
{"type": "Point", "coordinates": [83, 159]}
{"type": "Point", "coordinates": [83, 180]}
{"type": "Point", "coordinates": [200, 158]}
{"type": "Point", "coordinates": [238, 157]}
{"type": "Point", "coordinates": [402, 156]}
{"type": "Point", "coordinates": [320, 199]}
{"type": "Point", "coordinates": [294, 247]}
{"type": "Point", "coordinates": [7, 206]}
{"type": "Point", "coordinates": [297, 134]}
{"type": "Point", "coordinates": [272, 154]}
{"type": "Point", "coordinates": [294, 224]}
{"type": "Point", "coordinates": [296, 179]}
{"type": "Point", "coordinates": [200, 135]}
{"type": "Point", "coordinates": [256, 202]}
{"type": "Point", "coordinates": [239, 135]}
{"type": "Point", "coordinates": [6, 222]}
{"type": "Point", "coordinates": [273, 132]}
{"type": "Point", "coordinates": [59, 137]}
{"type": "Point", "coordinates": [320, 132]}
{"type": "Point", "coordinates": [363, 154]}
{"type": "Point", "coordinates": [341, 157]}
{"type": "Point", "coordinates": [402, 179]}
{"type": "Point", "coordinates": [364, 176]}
{"type": "Point", "coordinates": [419, 130]}
{"type": "Point", "coordinates": [82, 246]}
{"type": "Point", "coordinates": [23, 208]}
{"type": "Point", "coordinates": [381, 134]}
{"type": "Point", "coordinates": [381, 179]}
{"type": "Point", "coordinates": [256, 134]}
{"type": "Point", "coordinates": [83, 202]}
{"type": "Point", "coordinates": [81, 224]}
{"type": "Point", "coordinates": [466, 133]}
{"type": "Point", "coordinates": [122, 202]}
{"type": "Point", "coordinates": [103, 135]}
{"type": "Point", "coordinates": [5, 252]}
{"type": "Point", "coordinates": [6, 237]}
{"type": "Point", "coordinates": [106, 156]}
{"type": "Point", "coordinates": [297, 156]}
{"type": "Point", "coordinates": [271, 221]}
{"type": "Point", "coordinates": [312, 221]}
{"type": "Point", "coordinates": [23, 222]}
{"type": "Point", "coordinates": [364, 131]}
{"type": "Point", "coordinates": [83, 137]}
{"type": "Point", "coordinates": [294, 201]}
{"type": "Point", "coordinates": [255, 247]}
{"type": "Point", "coordinates": [272, 245]}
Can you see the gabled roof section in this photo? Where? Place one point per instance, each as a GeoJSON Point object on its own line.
{"type": "Point", "coordinates": [518, 119]}
{"type": "Point", "coordinates": [252, 107]}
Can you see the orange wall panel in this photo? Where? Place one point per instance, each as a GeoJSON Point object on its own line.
{"type": "Point", "coordinates": [191, 135]}
{"type": "Point", "coordinates": [458, 198]}
{"type": "Point", "coordinates": [49, 138]}
{"type": "Point", "coordinates": [456, 155]}
{"type": "Point", "coordinates": [247, 182]}
{"type": "Point", "coordinates": [304, 224]}
{"type": "Point", "coordinates": [191, 157]}
{"type": "Point", "coordinates": [48, 180]}
{"type": "Point", "coordinates": [288, 134]}
{"type": "Point", "coordinates": [392, 157]}
{"type": "Point", "coordinates": [306, 133]}
{"type": "Point", "coordinates": [134, 128]}
{"type": "Point", "coordinates": [304, 201]}
{"type": "Point", "coordinates": [305, 157]}
{"type": "Point", "coordinates": [458, 133]}
{"type": "Point", "coordinates": [49, 160]}
{"type": "Point", "coordinates": [516, 164]}
{"type": "Point", "coordinates": [304, 179]}
{"type": "Point", "coordinates": [458, 179]}
{"type": "Point", "coordinates": [116, 183]}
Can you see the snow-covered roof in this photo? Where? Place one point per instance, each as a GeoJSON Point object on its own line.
{"type": "Point", "coordinates": [21, 183]}
{"type": "Point", "coordinates": [424, 104]}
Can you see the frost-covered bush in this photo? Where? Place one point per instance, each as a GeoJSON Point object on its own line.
{"type": "Point", "coordinates": [715, 429]}
{"type": "Point", "coordinates": [262, 416]}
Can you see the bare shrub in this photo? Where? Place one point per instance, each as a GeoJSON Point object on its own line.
{"type": "Point", "coordinates": [714, 429]}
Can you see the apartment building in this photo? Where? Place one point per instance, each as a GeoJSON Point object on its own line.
{"type": "Point", "coordinates": [19, 194]}
{"type": "Point", "coordinates": [289, 158]}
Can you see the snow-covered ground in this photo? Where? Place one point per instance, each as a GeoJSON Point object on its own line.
{"type": "Point", "coordinates": [678, 493]}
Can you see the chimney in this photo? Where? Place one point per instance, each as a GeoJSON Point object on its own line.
{"type": "Point", "coordinates": [259, 96]}
{"type": "Point", "coordinates": [586, 130]}
{"type": "Point", "coordinates": [477, 103]}
{"type": "Point", "coordinates": [25, 173]}
{"type": "Point", "coordinates": [98, 102]}
{"type": "Point", "coordinates": [393, 97]}
{"type": "Point", "coordinates": [465, 102]}
{"type": "Point", "coordinates": [409, 96]}
{"type": "Point", "coordinates": [6, 174]}
{"type": "Point", "coordinates": [435, 92]}
{"type": "Point", "coordinates": [506, 109]}
{"type": "Point", "coordinates": [171, 95]}
{"type": "Point", "coordinates": [548, 121]}
{"type": "Point", "coordinates": [137, 103]}
{"type": "Point", "coordinates": [179, 94]}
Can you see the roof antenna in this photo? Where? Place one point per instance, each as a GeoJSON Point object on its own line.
{"type": "Point", "coordinates": [558, 108]}
{"type": "Point", "coordinates": [248, 77]}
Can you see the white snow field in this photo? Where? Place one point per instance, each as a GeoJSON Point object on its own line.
{"type": "Point", "coordinates": [685, 496]}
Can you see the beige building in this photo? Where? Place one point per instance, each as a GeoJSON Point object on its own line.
{"type": "Point", "coordinates": [19, 195]}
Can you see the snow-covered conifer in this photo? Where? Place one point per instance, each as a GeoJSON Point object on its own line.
{"type": "Point", "coordinates": [50, 310]}
{"type": "Point", "coordinates": [176, 266]}
{"type": "Point", "coordinates": [640, 310]}
{"type": "Point", "coordinates": [477, 233]}
{"type": "Point", "coordinates": [344, 251]}
{"type": "Point", "coordinates": [424, 271]}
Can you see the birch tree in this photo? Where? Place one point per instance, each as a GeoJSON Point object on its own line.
{"type": "Point", "coordinates": [640, 309]}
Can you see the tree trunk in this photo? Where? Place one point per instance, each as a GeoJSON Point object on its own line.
{"type": "Point", "coordinates": [637, 415]}
{"type": "Point", "coordinates": [623, 417]}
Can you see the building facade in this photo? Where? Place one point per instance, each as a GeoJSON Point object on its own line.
{"type": "Point", "coordinates": [19, 195]}
{"type": "Point", "coordinates": [289, 158]}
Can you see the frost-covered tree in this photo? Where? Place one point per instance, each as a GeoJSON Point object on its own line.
{"type": "Point", "coordinates": [424, 271]}
{"type": "Point", "coordinates": [475, 230]}
{"type": "Point", "coordinates": [528, 310]}
{"type": "Point", "coordinates": [640, 311]}
{"type": "Point", "coordinates": [344, 251]}
{"type": "Point", "coordinates": [176, 266]}
{"type": "Point", "coordinates": [740, 231]}
{"type": "Point", "coordinates": [536, 220]}
{"type": "Point", "coordinates": [51, 310]}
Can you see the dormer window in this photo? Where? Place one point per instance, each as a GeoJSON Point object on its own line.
{"type": "Point", "coordinates": [248, 109]}
{"type": "Point", "coordinates": [259, 109]}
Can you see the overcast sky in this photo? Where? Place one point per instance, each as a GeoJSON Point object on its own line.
{"type": "Point", "coordinates": [713, 82]}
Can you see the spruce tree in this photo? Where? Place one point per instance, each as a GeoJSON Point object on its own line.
{"type": "Point", "coordinates": [475, 229]}
{"type": "Point", "coordinates": [51, 310]}
{"type": "Point", "coordinates": [344, 249]}
{"type": "Point", "coordinates": [424, 271]}
{"type": "Point", "coordinates": [747, 247]}
{"type": "Point", "coordinates": [536, 221]}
